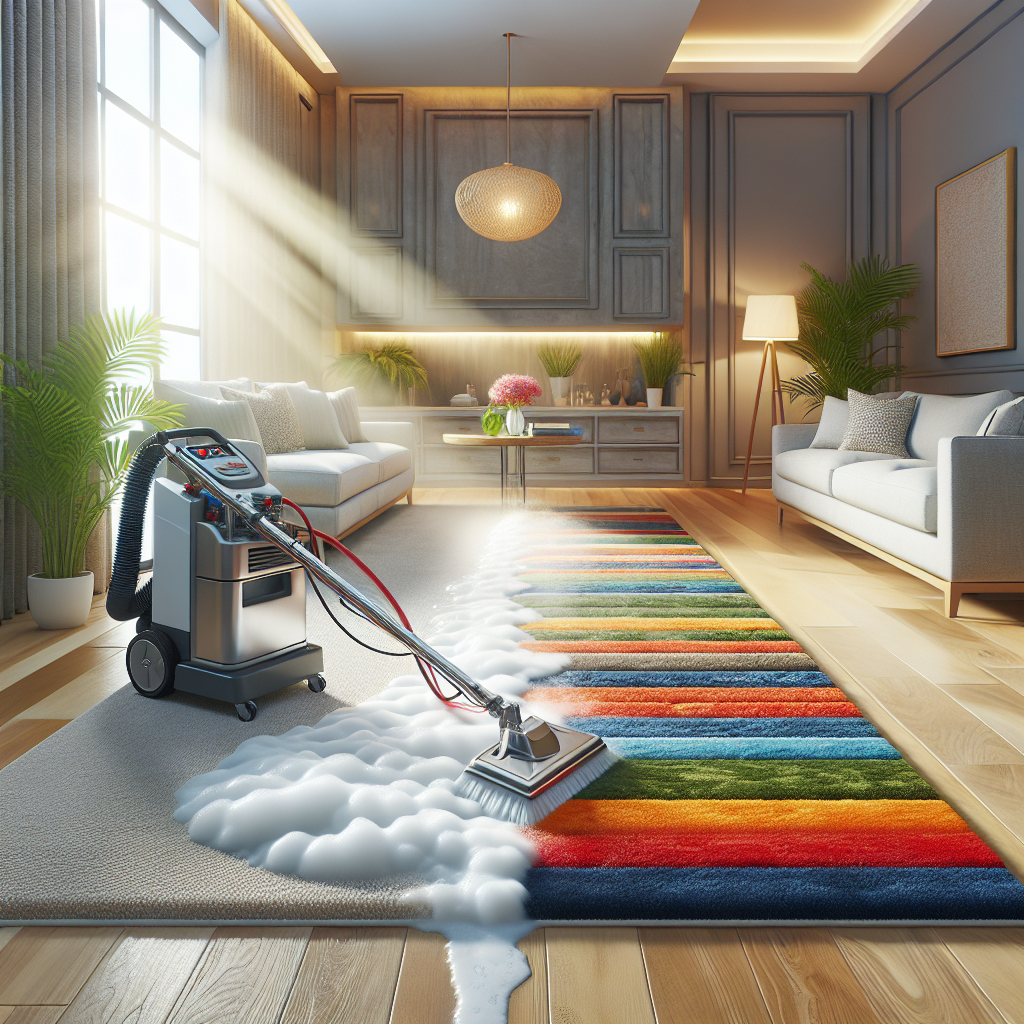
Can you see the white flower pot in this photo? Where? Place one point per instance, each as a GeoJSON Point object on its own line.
{"type": "Point", "coordinates": [515, 422]}
{"type": "Point", "coordinates": [560, 387]}
{"type": "Point", "coordinates": [62, 603]}
{"type": "Point", "coordinates": [654, 398]}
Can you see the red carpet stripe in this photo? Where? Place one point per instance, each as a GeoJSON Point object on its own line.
{"type": "Point", "coordinates": [685, 694]}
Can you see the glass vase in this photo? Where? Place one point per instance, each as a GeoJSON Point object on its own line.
{"type": "Point", "coordinates": [515, 422]}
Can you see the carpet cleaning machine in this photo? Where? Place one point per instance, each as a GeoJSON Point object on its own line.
{"type": "Point", "coordinates": [224, 616]}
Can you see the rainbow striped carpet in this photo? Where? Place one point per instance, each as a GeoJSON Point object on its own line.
{"type": "Point", "coordinates": [751, 789]}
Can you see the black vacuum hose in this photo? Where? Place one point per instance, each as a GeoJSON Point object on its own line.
{"type": "Point", "coordinates": [123, 600]}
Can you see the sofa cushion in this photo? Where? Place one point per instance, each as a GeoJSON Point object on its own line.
{"type": "Point", "coordinates": [233, 420]}
{"type": "Point", "coordinates": [1005, 420]}
{"type": "Point", "coordinates": [813, 467]}
{"type": "Point", "coordinates": [902, 490]}
{"type": "Point", "coordinates": [275, 416]}
{"type": "Point", "coordinates": [878, 426]}
{"type": "Point", "coordinates": [949, 416]}
{"type": "Point", "coordinates": [347, 410]}
{"type": "Point", "coordinates": [319, 425]}
{"type": "Point", "coordinates": [323, 479]}
{"type": "Point", "coordinates": [835, 415]}
{"type": "Point", "coordinates": [202, 388]}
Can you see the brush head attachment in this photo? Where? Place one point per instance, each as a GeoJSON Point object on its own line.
{"type": "Point", "coordinates": [524, 791]}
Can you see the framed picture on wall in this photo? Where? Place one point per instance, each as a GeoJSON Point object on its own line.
{"type": "Point", "coordinates": [975, 258]}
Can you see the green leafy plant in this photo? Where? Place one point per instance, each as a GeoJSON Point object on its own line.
{"type": "Point", "coordinates": [65, 451]}
{"type": "Point", "coordinates": [660, 359]}
{"type": "Point", "coordinates": [392, 362]}
{"type": "Point", "coordinates": [560, 360]}
{"type": "Point", "coordinates": [839, 321]}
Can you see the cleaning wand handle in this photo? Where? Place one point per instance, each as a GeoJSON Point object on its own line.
{"type": "Point", "coordinates": [507, 712]}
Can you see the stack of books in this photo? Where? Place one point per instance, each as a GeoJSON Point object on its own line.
{"type": "Point", "coordinates": [556, 430]}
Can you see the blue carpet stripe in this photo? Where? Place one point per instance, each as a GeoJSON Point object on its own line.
{"type": "Point", "coordinates": [755, 894]}
{"type": "Point", "coordinates": [763, 748]}
{"type": "Point", "coordinates": [641, 587]}
{"type": "Point", "coordinates": [606, 726]}
{"type": "Point", "coordinates": [586, 677]}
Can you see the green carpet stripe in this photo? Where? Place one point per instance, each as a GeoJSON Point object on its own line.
{"type": "Point", "coordinates": [759, 780]}
{"type": "Point", "coordinates": [667, 602]}
{"type": "Point", "coordinates": [625, 611]}
{"type": "Point", "coordinates": [759, 635]}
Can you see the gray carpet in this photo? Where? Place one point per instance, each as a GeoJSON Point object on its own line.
{"type": "Point", "coordinates": [87, 831]}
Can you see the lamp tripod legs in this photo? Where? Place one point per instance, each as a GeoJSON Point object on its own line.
{"type": "Point", "coordinates": [778, 413]}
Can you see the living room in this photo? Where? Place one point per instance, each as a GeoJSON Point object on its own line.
{"type": "Point", "coordinates": [648, 375]}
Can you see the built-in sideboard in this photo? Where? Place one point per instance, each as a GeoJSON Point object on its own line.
{"type": "Point", "coordinates": [622, 446]}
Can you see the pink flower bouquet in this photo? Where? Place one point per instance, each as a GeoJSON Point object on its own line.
{"type": "Point", "coordinates": [513, 390]}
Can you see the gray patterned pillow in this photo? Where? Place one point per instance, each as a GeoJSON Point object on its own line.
{"type": "Point", "coordinates": [878, 426]}
{"type": "Point", "coordinates": [275, 415]}
{"type": "Point", "coordinates": [1006, 420]}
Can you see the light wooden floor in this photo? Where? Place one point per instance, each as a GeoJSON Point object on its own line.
{"type": "Point", "coordinates": [950, 694]}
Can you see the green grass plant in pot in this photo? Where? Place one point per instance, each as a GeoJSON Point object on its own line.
{"type": "Point", "coordinates": [65, 448]}
{"type": "Point", "coordinates": [661, 359]}
{"type": "Point", "coordinates": [392, 364]}
{"type": "Point", "coordinates": [560, 361]}
{"type": "Point", "coordinates": [839, 322]}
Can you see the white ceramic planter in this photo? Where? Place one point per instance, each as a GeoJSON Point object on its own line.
{"type": "Point", "coordinates": [60, 604]}
{"type": "Point", "coordinates": [560, 387]}
{"type": "Point", "coordinates": [654, 398]}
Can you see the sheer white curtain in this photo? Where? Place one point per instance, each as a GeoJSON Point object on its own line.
{"type": "Point", "coordinates": [50, 271]}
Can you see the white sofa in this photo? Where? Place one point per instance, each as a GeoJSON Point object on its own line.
{"type": "Point", "coordinates": [339, 489]}
{"type": "Point", "coordinates": [952, 514]}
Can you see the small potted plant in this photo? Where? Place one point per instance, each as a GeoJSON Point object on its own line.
{"type": "Point", "coordinates": [392, 363]}
{"type": "Point", "coordinates": [660, 358]}
{"type": "Point", "coordinates": [513, 391]}
{"type": "Point", "coordinates": [66, 453]}
{"type": "Point", "coordinates": [560, 362]}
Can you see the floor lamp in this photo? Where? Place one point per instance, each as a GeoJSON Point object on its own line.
{"type": "Point", "coordinates": [769, 318]}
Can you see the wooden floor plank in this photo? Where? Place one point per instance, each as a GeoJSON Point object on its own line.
{"type": "Point", "coordinates": [49, 965]}
{"type": "Point", "coordinates": [348, 976]}
{"type": "Point", "coordinates": [994, 957]}
{"type": "Point", "coordinates": [30, 1014]}
{"type": "Point", "coordinates": [141, 976]}
{"type": "Point", "coordinates": [910, 977]}
{"type": "Point", "coordinates": [997, 705]}
{"type": "Point", "coordinates": [243, 977]}
{"type": "Point", "coordinates": [529, 1003]}
{"type": "Point", "coordinates": [20, 696]}
{"type": "Point", "coordinates": [701, 976]}
{"type": "Point", "coordinates": [76, 697]}
{"type": "Point", "coordinates": [424, 994]}
{"type": "Point", "coordinates": [804, 978]}
{"type": "Point", "coordinates": [8, 933]}
{"type": "Point", "coordinates": [21, 639]}
{"type": "Point", "coordinates": [1000, 788]}
{"type": "Point", "coordinates": [21, 735]}
{"type": "Point", "coordinates": [597, 975]}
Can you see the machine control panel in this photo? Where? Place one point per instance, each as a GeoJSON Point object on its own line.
{"type": "Point", "coordinates": [223, 463]}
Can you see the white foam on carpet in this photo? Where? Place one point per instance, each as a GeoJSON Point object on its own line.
{"type": "Point", "coordinates": [367, 792]}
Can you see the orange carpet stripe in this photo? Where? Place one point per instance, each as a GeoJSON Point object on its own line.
{"type": "Point", "coordinates": [652, 625]}
{"type": "Point", "coordinates": [663, 646]}
{"type": "Point", "coordinates": [687, 694]}
{"type": "Point", "coordinates": [733, 709]}
{"type": "Point", "coordinates": [588, 817]}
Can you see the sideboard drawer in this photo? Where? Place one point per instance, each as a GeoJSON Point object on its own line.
{"type": "Point", "coordinates": [560, 460]}
{"type": "Point", "coordinates": [435, 426]}
{"type": "Point", "coordinates": [458, 459]}
{"type": "Point", "coordinates": [638, 430]}
{"type": "Point", "coordinates": [638, 460]}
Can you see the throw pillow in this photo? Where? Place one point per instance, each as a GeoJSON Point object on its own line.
{"type": "Point", "coordinates": [202, 388]}
{"type": "Point", "coordinates": [835, 415]}
{"type": "Point", "coordinates": [878, 426]}
{"type": "Point", "coordinates": [347, 411]}
{"type": "Point", "coordinates": [1005, 420]}
{"type": "Point", "coordinates": [320, 427]}
{"type": "Point", "coordinates": [275, 415]}
{"type": "Point", "coordinates": [233, 420]}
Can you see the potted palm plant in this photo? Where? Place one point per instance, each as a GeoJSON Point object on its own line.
{"type": "Point", "coordinates": [66, 452]}
{"type": "Point", "coordinates": [660, 360]}
{"type": "Point", "coordinates": [839, 321]}
{"type": "Point", "coordinates": [560, 362]}
{"type": "Point", "coordinates": [393, 364]}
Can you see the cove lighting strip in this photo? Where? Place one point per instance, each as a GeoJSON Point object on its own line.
{"type": "Point", "coordinates": [291, 23]}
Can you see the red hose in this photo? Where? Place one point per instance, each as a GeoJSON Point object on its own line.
{"type": "Point", "coordinates": [425, 670]}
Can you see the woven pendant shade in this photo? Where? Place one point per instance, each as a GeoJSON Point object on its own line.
{"type": "Point", "coordinates": [508, 203]}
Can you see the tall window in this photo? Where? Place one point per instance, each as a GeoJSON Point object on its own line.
{"type": "Point", "coordinates": [150, 108]}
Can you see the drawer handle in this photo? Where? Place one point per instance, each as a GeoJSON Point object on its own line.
{"type": "Point", "coordinates": [464, 458]}
{"type": "Point", "coordinates": [463, 430]}
{"type": "Point", "coordinates": [554, 458]}
{"type": "Point", "coordinates": [638, 430]}
{"type": "Point", "coordinates": [636, 458]}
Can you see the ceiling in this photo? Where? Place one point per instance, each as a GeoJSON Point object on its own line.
{"type": "Point", "coordinates": [459, 42]}
{"type": "Point", "coordinates": [716, 45]}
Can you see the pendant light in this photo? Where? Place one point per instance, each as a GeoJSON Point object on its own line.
{"type": "Point", "coordinates": [508, 203]}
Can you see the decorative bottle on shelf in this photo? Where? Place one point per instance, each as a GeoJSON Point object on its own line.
{"type": "Point", "coordinates": [622, 385]}
{"type": "Point", "coordinates": [606, 395]}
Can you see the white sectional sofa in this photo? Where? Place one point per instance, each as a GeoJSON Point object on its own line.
{"type": "Point", "coordinates": [339, 488]}
{"type": "Point", "coordinates": [951, 514]}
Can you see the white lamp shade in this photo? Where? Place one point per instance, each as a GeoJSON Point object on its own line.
{"type": "Point", "coordinates": [771, 318]}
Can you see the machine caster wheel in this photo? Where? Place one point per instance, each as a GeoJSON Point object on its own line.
{"type": "Point", "coordinates": [247, 711]}
{"type": "Point", "coordinates": [151, 658]}
{"type": "Point", "coordinates": [317, 683]}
